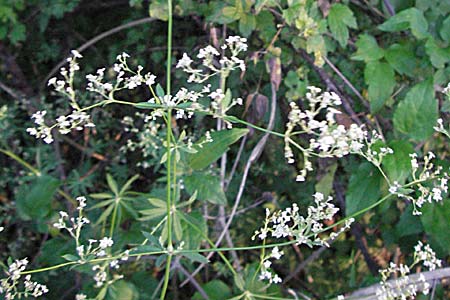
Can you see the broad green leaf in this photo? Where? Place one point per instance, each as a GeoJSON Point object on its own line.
{"type": "Point", "coordinates": [34, 200]}
{"type": "Point", "coordinates": [436, 221]}
{"type": "Point", "coordinates": [159, 9]}
{"type": "Point", "coordinates": [363, 189]}
{"type": "Point", "coordinates": [210, 152]}
{"type": "Point", "coordinates": [112, 184]}
{"type": "Point", "coordinates": [316, 45]}
{"type": "Point", "coordinates": [325, 184]}
{"type": "Point", "coordinates": [408, 223]}
{"type": "Point", "coordinates": [445, 30]}
{"type": "Point", "coordinates": [401, 58]}
{"type": "Point", "coordinates": [340, 18]}
{"type": "Point", "coordinates": [398, 165]}
{"type": "Point", "coordinates": [247, 24]}
{"type": "Point", "coordinates": [438, 56]}
{"type": "Point", "coordinates": [381, 80]}
{"type": "Point", "coordinates": [216, 290]}
{"type": "Point", "coordinates": [410, 18]}
{"type": "Point", "coordinates": [231, 13]}
{"type": "Point", "coordinates": [416, 115]}
{"type": "Point", "coordinates": [207, 186]}
{"type": "Point", "coordinates": [123, 290]}
{"type": "Point", "coordinates": [195, 229]}
{"type": "Point", "coordinates": [368, 49]}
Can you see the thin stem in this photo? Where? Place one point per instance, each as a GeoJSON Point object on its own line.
{"type": "Point", "coordinates": [21, 161]}
{"type": "Point", "coordinates": [169, 154]}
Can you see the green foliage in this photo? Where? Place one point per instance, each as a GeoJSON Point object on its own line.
{"type": "Point", "coordinates": [380, 78]}
{"type": "Point", "coordinates": [417, 113]}
{"type": "Point", "coordinates": [435, 221]}
{"type": "Point", "coordinates": [389, 70]}
{"type": "Point", "coordinates": [340, 18]}
{"type": "Point", "coordinates": [208, 153]}
{"type": "Point", "coordinates": [364, 188]}
{"type": "Point", "coordinates": [34, 200]}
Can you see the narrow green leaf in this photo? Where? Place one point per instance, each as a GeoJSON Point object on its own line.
{"type": "Point", "coordinates": [177, 227]}
{"type": "Point", "coordinates": [112, 184]}
{"type": "Point", "coordinates": [126, 186]}
{"type": "Point", "coordinates": [70, 257]}
{"type": "Point", "coordinates": [160, 91]}
{"type": "Point", "coordinates": [152, 213]}
{"type": "Point", "coordinates": [196, 257]}
{"type": "Point", "coordinates": [101, 204]}
{"type": "Point", "coordinates": [157, 202]}
{"type": "Point", "coordinates": [104, 215]}
{"type": "Point", "coordinates": [101, 196]}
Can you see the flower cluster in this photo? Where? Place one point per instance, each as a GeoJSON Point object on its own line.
{"type": "Point", "coordinates": [403, 287]}
{"type": "Point", "coordinates": [121, 68]}
{"type": "Point", "coordinates": [266, 272]}
{"type": "Point", "coordinates": [327, 137]}
{"type": "Point", "coordinates": [428, 193]}
{"type": "Point", "coordinates": [77, 120]}
{"type": "Point", "coordinates": [213, 64]}
{"type": "Point", "coordinates": [305, 230]}
{"type": "Point", "coordinates": [11, 284]}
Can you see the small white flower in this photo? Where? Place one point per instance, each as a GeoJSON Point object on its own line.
{"type": "Point", "coordinates": [76, 54]}
{"type": "Point", "coordinates": [106, 242]}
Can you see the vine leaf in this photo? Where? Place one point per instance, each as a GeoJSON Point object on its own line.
{"type": "Point", "coordinates": [340, 18]}
{"type": "Point", "coordinates": [417, 114]}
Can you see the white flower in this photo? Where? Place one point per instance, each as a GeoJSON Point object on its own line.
{"type": "Point", "coordinates": [276, 253]}
{"type": "Point", "coordinates": [106, 242]}
{"type": "Point", "coordinates": [76, 54]}
{"type": "Point", "coordinates": [184, 62]}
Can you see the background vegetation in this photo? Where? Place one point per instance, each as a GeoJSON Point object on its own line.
{"type": "Point", "coordinates": [387, 60]}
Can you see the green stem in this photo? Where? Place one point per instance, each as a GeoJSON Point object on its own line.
{"type": "Point", "coordinates": [169, 154]}
{"type": "Point", "coordinates": [21, 161]}
{"type": "Point", "coordinates": [166, 277]}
